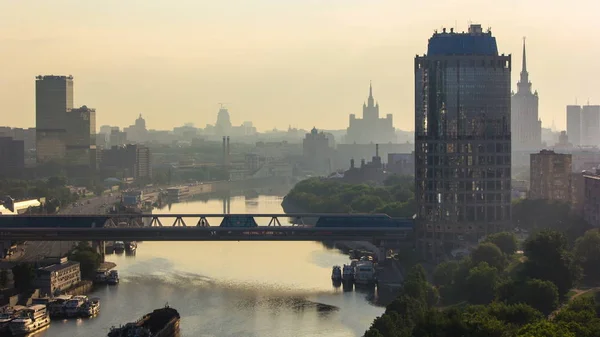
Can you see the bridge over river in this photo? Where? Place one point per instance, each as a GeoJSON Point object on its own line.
{"type": "Point", "coordinates": [196, 227]}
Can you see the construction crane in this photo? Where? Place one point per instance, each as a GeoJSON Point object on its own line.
{"type": "Point", "coordinates": [222, 105]}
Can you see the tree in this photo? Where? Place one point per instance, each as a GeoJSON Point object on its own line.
{"type": "Point", "coordinates": [548, 259]}
{"type": "Point", "coordinates": [23, 275]}
{"type": "Point", "coordinates": [3, 278]}
{"type": "Point", "coordinates": [539, 294]}
{"type": "Point", "coordinates": [88, 259]}
{"type": "Point", "coordinates": [489, 253]}
{"type": "Point", "coordinates": [443, 274]}
{"type": "Point", "coordinates": [481, 283]}
{"type": "Point", "coordinates": [587, 253]}
{"type": "Point", "coordinates": [507, 242]}
{"type": "Point", "coordinates": [545, 329]}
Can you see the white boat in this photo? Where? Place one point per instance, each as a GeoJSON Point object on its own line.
{"type": "Point", "coordinates": [348, 273]}
{"type": "Point", "coordinates": [33, 318]}
{"type": "Point", "coordinates": [336, 273]}
{"type": "Point", "coordinates": [56, 307]}
{"type": "Point", "coordinates": [90, 308]}
{"type": "Point", "coordinates": [73, 305]}
{"type": "Point", "coordinates": [101, 276]}
{"type": "Point", "coordinates": [113, 277]}
{"type": "Point", "coordinates": [365, 273]}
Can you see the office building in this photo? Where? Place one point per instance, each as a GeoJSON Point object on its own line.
{"type": "Point", "coordinates": [590, 125]}
{"type": "Point", "coordinates": [574, 124]}
{"type": "Point", "coordinates": [223, 124]}
{"type": "Point", "coordinates": [130, 161]}
{"type": "Point", "coordinates": [370, 129]}
{"type": "Point", "coordinates": [526, 127]}
{"type": "Point", "coordinates": [81, 137]}
{"type": "Point", "coordinates": [53, 98]}
{"type": "Point", "coordinates": [53, 279]}
{"type": "Point", "coordinates": [401, 163]}
{"type": "Point", "coordinates": [137, 133]}
{"type": "Point", "coordinates": [550, 176]}
{"type": "Point", "coordinates": [117, 137]}
{"type": "Point", "coordinates": [12, 157]}
{"type": "Point", "coordinates": [462, 140]}
{"type": "Point", "coordinates": [316, 152]}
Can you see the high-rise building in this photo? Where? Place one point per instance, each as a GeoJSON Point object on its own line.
{"type": "Point", "coordinates": [526, 127]}
{"type": "Point", "coordinates": [12, 156]}
{"type": "Point", "coordinates": [81, 137]}
{"type": "Point", "coordinates": [462, 140]}
{"type": "Point", "coordinates": [590, 125]}
{"type": "Point", "coordinates": [130, 161]}
{"type": "Point", "coordinates": [550, 176]}
{"type": "Point", "coordinates": [371, 128]}
{"type": "Point", "coordinates": [574, 124]}
{"type": "Point", "coordinates": [137, 133]}
{"type": "Point", "coordinates": [53, 98]}
{"type": "Point", "coordinates": [591, 198]}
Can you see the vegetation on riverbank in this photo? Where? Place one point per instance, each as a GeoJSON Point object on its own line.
{"type": "Point", "coordinates": [89, 260]}
{"type": "Point", "coordinates": [498, 292]}
{"type": "Point", "coordinates": [395, 198]}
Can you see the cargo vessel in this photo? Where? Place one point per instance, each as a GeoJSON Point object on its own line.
{"type": "Point", "coordinates": [162, 322]}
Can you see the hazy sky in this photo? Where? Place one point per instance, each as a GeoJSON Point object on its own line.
{"type": "Point", "coordinates": [276, 62]}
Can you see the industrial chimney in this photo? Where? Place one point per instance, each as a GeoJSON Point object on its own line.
{"type": "Point", "coordinates": [224, 152]}
{"type": "Point", "coordinates": [228, 153]}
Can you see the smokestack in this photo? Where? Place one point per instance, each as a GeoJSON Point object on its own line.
{"type": "Point", "coordinates": [224, 152]}
{"type": "Point", "coordinates": [376, 150]}
{"type": "Point", "coordinates": [352, 163]}
{"type": "Point", "coordinates": [228, 152]}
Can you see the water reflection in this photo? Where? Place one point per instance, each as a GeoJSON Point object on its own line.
{"type": "Point", "coordinates": [231, 288]}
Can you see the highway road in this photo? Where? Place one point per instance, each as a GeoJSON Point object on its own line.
{"type": "Point", "coordinates": [35, 250]}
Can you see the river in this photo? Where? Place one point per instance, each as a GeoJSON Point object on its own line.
{"type": "Point", "coordinates": [230, 288]}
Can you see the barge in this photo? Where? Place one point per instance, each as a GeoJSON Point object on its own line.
{"type": "Point", "coordinates": [162, 322]}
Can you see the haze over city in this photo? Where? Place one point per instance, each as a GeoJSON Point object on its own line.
{"type": "Point", "coordinates": [276, 63]}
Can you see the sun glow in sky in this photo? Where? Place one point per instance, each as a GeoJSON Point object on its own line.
{"type": "Point", "coordinates": [276, 62]}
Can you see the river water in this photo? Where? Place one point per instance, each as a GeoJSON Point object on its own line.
{"type": "Point", "coordinates": [230, 288]}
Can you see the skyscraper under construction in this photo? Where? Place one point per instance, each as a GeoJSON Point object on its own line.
{"type": "Point", "coordinates": [462, 140]}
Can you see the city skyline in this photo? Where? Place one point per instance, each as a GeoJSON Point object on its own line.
{"type": "Point", "coordinates": [295, 74]}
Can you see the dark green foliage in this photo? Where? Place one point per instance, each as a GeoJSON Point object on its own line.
{"type": "Point", "coordinates": [549, 259]}
{"type": "Point", "coordinates": [395, 198]}
{"type": "Point", "coordinates": [539, 294]}
{"type": "Point", "coordinates": [507, 242]}
{"type": "Point", "coordinates": [88, 259]}
{"type": "Point", "coordinates": [481, 283]}
{"type": "Point", "coordinates": [587, 254]}
{"type": "Point", "coordinates": [23, 275]}
{"type": "Point", "coordinates": [489, 253]}
{"type": "Point", "coordinates": [445, 272]}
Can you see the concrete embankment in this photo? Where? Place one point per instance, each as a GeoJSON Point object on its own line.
{"type": "Point", "coordinates": [82, 288]}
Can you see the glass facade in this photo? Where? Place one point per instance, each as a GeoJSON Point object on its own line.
{"type": "Point", "coordinates": [463, 138]}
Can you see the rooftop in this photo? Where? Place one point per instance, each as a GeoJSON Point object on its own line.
{"type": "Point", "coordinates": [54, 77]}
{"type": "Point", "coordinates": [473, 42]}
{"type": "Point", "coordinates": [57, 267]}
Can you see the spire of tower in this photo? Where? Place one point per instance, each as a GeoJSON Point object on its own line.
{"type": "Point", "coordinates": [524, 85]}
{"type": "Point", "coordinates": [370, 100]}
{"type": "Point", "coordinates": [524, 70]}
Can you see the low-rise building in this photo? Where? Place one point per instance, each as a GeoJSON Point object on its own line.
{"type": "Point", "coordinates": [550, 176]}
{"type": "Point", "coordinates": [58, 277]}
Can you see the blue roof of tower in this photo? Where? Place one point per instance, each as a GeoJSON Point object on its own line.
{"type": "Point", "coordinates": [474, 42]}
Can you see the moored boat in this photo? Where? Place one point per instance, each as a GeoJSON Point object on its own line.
{"type": "Point", "coordinates": [113, 277]}
{"type": "Point", "coordinates": [162, 322]}
{"type": "Point", "coordinates": [32, 319]}
{"type": "Point", "coordinates": [56, 306]}
{"type": "Point", "coordinates": [348, 273]}
{"type": "Point", "coordinates": [119, 246]}
{"type": "Point", "coordinates": [365, 273]}
{"type": "Point", "coordinates": [90, 308]}
{"type": "Point", "coordinates": [336, 274]}
{"type": "Point", "coordinates": [73, 306]}
{"type": "Point", "coordinates": [7, 316]}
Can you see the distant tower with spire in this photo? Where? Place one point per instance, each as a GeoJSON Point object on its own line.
{"type": "Point", "coordinates": [371, 128]}
{"type": "Point", "coordinates": [526, 126]}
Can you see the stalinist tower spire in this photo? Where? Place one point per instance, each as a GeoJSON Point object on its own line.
{"type": "Point", "coordinates": [371, 100]}
{"type": "Point", "coordinates": [524, 85]}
